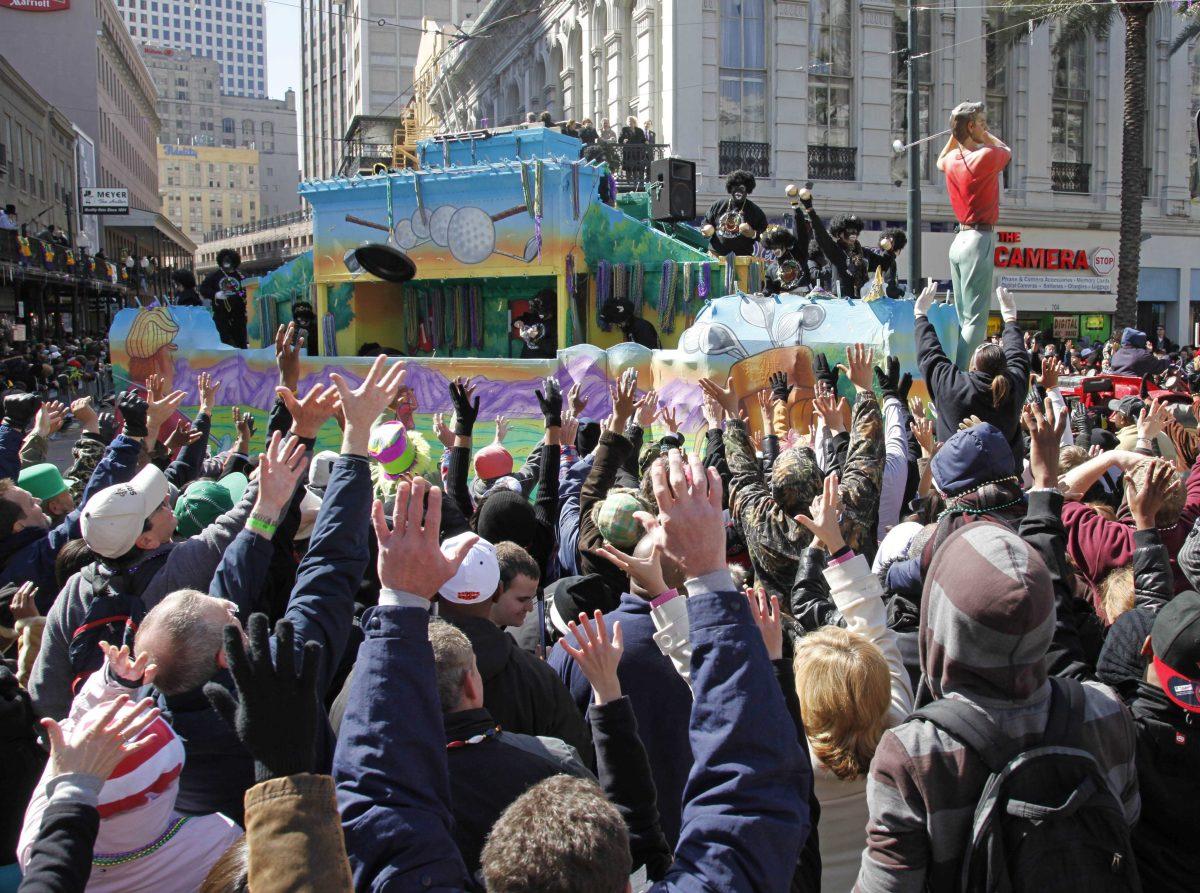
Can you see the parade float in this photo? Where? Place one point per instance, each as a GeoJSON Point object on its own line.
{"type": "Point", "coordinates": [497, 224]}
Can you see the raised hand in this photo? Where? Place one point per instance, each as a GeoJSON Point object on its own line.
{"type": "Point", "coordinates": [669, 418]}
{"type": "Point", "coordinates": [768, 617]}
{"type": "Point", "coordinates": [24, 605]}
{"type": "Point", "coordinates": [892, 383]}
{"type": "Point", "coordinates": [162, 408]}
{"type": "Point", "coordinates": [183, 435]}
{"type": "Point", "coordinates": [714, 412]}
{"type": "Point", "coordinates": [409, 557]}
{"type": "Point", "coordinates": [101, 739]}
{"type": "Point", "coordinates": [84, 413]}
{"type": "Point", "coordinates": [1008, 305]}
{"type": "Point", "coordinates": [50, 417]}
{"type": "Point", "coordinates": [501, 429]}
{"type": "Point", "coordinates": [578, 401]}
{"type": "Point", "coordinates": [243, 423]}
{"type": "Point", "coordinates": [444, 435]}
{"type": "Point", "coordinates": [133, 410]}
{"type": "Point", "coordinates": [830, 408]}
{"type": "Point", "coordinates": [624, 400]}
{"type": "Point", "coordinates": [276, 714]}
{"type": "Point", "coordinates": [466, 409]}
{"type": "Point", "coordinates": [288, 345]}
{"type": "Point", "coordinates": [647, 409]}
{"type": "Point", "coordinates": [780, 389]}
{"type": "Point", "coordinates": [139, 671]}
{"type": "Point", "coordinates": [1051, 371]}
{"type": "Point", "coordinates": [926, 298]}
{"type": "Point", "coordinates": [570, 427]}
{"type": "Point", "coordinates": [646, 572]}
{"type": "Point", "coordinates": [859, 360]}
{"type": "Point", "coordinates": [550, 399]}
{"type": "Point", "coordinates": [723, 395]}
{"type": "Point", "coordinates": [969, 422]}
{"type": "Point", "coordinates": [1045, 434]}
{"type": "Point", "coordinates": [1146, 501]}
{"type": "Point", "coordinates": [690, 525]}
{"type": "Point", "coordinates": [827, 377]}
{"type": "Point", "coordinates": [1151, 420]}
{"type": "Point", "coordinates": [362, 405]}
{"type": "Point", "coordinates": [597, 655]}
{"type": "Point", "coordinates": [280, 469]}
{"type": "Point", "coordinates": [312, 411]}
{"type": "Point", "coordinates": [923, 430]}
{"type": "Point", "coordinates": [823, 522]}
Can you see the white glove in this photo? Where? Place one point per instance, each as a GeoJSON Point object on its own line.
{"type": "Point", "coordinates": [1008, 306]}
{"type": "Point", "coordinates": [926, 298]}
{"type": "Point", "coordinates": [221, 296]}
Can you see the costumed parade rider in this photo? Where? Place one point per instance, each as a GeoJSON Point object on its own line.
{"type": "Point", "coordinates": [734, 224]}
{"type": "Point", "coordinates": [618, 313]}
{"type": "Point", "coordinates": [537, 328]}
{"type": "Point", "coordinates": [841, 248]}
{"type": "Point", "coordinates": [185, 289]}
{"type": "Point", "coordinates": [891, 243]}
{"type": "Point", "coordinates": [223, 290]}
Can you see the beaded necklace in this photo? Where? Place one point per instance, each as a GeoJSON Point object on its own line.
{"type": "Point", "coordinates": [112, 860]}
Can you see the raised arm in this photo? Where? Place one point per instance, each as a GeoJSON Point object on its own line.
{"type": "Point", "coordinates": [941, 376]}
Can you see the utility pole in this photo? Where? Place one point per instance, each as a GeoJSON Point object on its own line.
{"type": "Point", "coordinates": [913, 219]}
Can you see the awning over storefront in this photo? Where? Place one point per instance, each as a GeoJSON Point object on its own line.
{"type": "Point", "coordinates": [149, 226]}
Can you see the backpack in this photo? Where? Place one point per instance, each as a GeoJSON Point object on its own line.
{"type": "Point", "coordinates": [112, 616]}
{"type": "Point", "coordinates": [1046, 820]}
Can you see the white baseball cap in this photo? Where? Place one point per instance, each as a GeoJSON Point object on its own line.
{"type": "Point", "coordinates": [478, 576]}
{"type": "Point", "coordinates": [115, 517]}
{"type": "Point", "coordinates": [320, 471]}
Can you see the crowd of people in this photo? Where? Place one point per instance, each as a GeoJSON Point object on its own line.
{"type": "Point", "coordinates": [848, 638]}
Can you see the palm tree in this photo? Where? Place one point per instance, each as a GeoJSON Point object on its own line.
{"type": "Point", "coordinates": [1077, 18]}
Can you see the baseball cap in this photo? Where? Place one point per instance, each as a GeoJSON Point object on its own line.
{"type": "Point", "coordinates": [1129, 406]}
{"type": "Point", "coordinates": [1175, 642]}
{"type": "Point", "coordinates": [42, 481]}
{"type": "Point", "coordinates": [115, 517]}
{"type": "Point", "coordinates": [478, 575]}
{"type": "Point", "coordinates": [201, 504]}
{"type": "Point", "coordinates": [320, 471]}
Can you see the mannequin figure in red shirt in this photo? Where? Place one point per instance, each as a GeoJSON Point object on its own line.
{"type": "Point", "coordinates": [973, 160]}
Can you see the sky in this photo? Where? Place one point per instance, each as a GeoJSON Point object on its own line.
{"type": "Point", "coordinates": [283, 48]}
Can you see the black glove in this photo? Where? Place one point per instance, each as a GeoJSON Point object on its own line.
{"type": "Point", "coordinates": [551, 403]}
{"type": "Point", "coordinates": [19, 410]}
{"type": "Point", "coordinates": [1143, 391]}
{"type": "Point", "coordinates": [779, 386]}
{"type": "Point", "coordinates": [892, 384]}
{"type": "Point", "coordinates": [133, 410]}
{"type": "Point", "coordinates": [824, 374]}
{"type": "Point", "coordinates": [276, 712]}
{"type": "Point", "coordinates": [107, 423]}
{"type": "Point", "coordinates": [465, 412]}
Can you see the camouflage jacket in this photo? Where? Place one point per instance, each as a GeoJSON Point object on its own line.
{"type": "Point", "coordinates": [773, 539]}
{"type": "Point", "coordinates": [87, 453]}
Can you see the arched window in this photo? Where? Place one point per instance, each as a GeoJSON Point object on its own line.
{"type": "Point", "coordinates": [742, 107]}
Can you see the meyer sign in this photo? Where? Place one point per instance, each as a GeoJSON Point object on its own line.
{"type": "Point", "coordinates": [36, 5]}
{"type": "Point", "coordinates": [1101, 284]}
{"type": "Point", "coordinates": [96, 200]}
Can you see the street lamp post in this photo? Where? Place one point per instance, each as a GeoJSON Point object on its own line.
{"type": "Point", "coordinates": [913, 219]}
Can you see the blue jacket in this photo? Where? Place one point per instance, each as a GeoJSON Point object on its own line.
{"type": "Point", "coordinates": [31, 553]}
{"type": "Point", "coordinates": [218, 770]}
{"type": "Point", "coordinates": [568, 517]}
{"type": "Point", "coordinates": [747, 812]}
{"type": "Point", "coordinates": [661, 701]}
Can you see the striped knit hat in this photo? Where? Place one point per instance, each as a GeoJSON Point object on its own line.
{"type": "Point", "coordinates": [987, 616]}
{"type": "Point", "coordinates": [147, 774]}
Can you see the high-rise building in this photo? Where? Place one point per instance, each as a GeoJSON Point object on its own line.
{"type": "Point", "coordinates": [358, 59]}
{"type": "Point", "coordinates": [205, 188]}
{"type": "Point", "coordinates": [195, 112]}
{"type": "Point", "coordinates": [227, 31]}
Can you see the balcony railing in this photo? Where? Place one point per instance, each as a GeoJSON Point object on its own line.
{"type": "Point", "coordinates": [224, 232]}
{"type": "Point", "coordinates": [832, 162]}
{"type": "Point", "coordinates": [52, 261]}
{"type": "Point", "coordinates": [1070, 176]}
{"type": "Point", "coordinates": [753, 157]}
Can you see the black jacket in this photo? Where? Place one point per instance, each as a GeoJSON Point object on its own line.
{"type": "Point", "coordinates": [486, 777]}
{"type": "Point", "coordinates": [959, 394]}
{"type": "Point", "coordinates": [520, 691]}
{"type": "Point", "coordinates": [61, 859]}
{"type": "Point", "coordinates": [849, 266]}
{"type": "Point", "coordinates": [1136, 361]}
{"type": "Point", "coordinates": [588, 135]}
{"type": "Point", "coordinates": [22, 764]}
{"type": "Point", "coordinates": [739, 245]}
{"type": "Point", "coordinates": [189, 297]}
{"type": "Point", "coordinates": [610, 454]}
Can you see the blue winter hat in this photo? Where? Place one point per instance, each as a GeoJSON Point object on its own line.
{"type": "Point", "coordinates": [1133, 338]}
{"type": "Point", "coordinates": [976, 456]}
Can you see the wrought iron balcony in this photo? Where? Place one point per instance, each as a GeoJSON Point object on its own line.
{"type": "Point", "coordinates": [1070, 176]}
{"type": "Point", "coordinates": [753, 157]}
{"type": "Point", "coordinates": [832, 162]}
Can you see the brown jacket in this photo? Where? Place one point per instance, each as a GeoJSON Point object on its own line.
{"type": "Point", "coordinates": [294, 837]}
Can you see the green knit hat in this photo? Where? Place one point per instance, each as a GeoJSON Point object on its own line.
{"type": "Point", "coordinates": [42, 481]}
{"type": "Point", "coordinates": [199, 505]}
{"type": "Point", "coordinates": [615, 521]}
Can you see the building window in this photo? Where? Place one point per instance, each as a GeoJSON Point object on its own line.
{"type": "Point", "coordinates": [830, 91]}
{"type": "Point", "coordinates": [900, 88]}
{"type": "Point", "coordinates": [227, 125]}
{"type": "Point", "coordinates": [1069, 168]}
{"type": "Point", "coordinates": [743, 103]}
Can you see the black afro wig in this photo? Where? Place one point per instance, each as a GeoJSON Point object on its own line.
{"type": "Point", "coordinates": [184, 278]}
{"type": "Point", "coordinates": [744, 179]}
{"type": "Point", "coordinates": [846, 222]}
{"type": "Point", "coordinates": [778, 238]}
{"type": "Point", "coordinates": [899, 238]}
{"type": "Point", "coordinates": [228, 254]}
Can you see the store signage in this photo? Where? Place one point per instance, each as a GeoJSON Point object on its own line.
{"type": "Point", "coordinates": [1104, 261]}
{"type": "Point", "coordinates": [97, 200]}
{"type": "Point", "coordinates": [1100, 284]}
{"type": "Point", "coordinates": [157, 51]}
{"type": "Point", "coordinates": [1066, 326]}
{"type": "Point", "coordinates": [36, 5]}
{"type": "Point", "coordinates": [1008, 256]}
{"type": "Point", "coordinates": [179, 150]}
